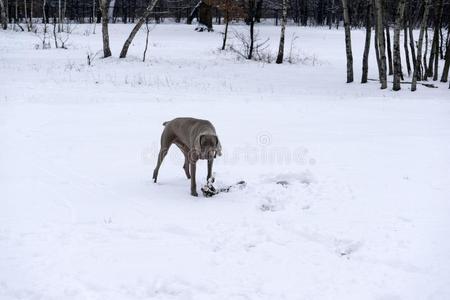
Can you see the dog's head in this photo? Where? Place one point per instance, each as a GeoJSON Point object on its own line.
{"type": "Point", "coordinates": [209, 146]}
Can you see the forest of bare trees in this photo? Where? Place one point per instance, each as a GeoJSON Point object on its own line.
{"type": "Point", "coordinates": [424, 25]}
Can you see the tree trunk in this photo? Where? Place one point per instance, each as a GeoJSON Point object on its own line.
{"type": "Point", "coordinates": [3, 15]}
{"type": "Point", "coordinates": [382, 47]}
{"type": "Point", "coordinates": [112, 4]}
{"type": "Point", "coordinates": [104, 8]}
{"type": "Point", "coordinates": [405, 42]}
{"type": "Point", "coordinates": [283, 28]}
{"type": "Point", "coordinates": [59, 16]}
{"type": "Point", "coordinates": [419, 45]}
{"type": "Point", "coordinates": [425, 68]}
{"type": "Point", "coordinates": [444, 76]}
{"type": "Point", "coordinates": [412, 44]}
{"type": "Point", "coordinates": [438, 19]}
{"type": "Point", "coordinates": [45, 20]}
{"type": "Point", "coordinates": [135, 30]}
{"type": "Point", "coordinates": [227, 20]}
{"type": "Point", "coordinates": [389, 49]}
{"type": "Point", "coordinates": [375, 40]}
{"type": "Point", "coordinates": [31, 15]}
{"type": "Point", "coordinates": [441, 51]}
{"type": "Point", "coordinates": [251, 22]}
{"type": "Point", "coordinates": [365, 63]}
{"type": "Point", "coordinates": [406, 49]}
{"type": "Point", "coordinates": [146, 40]}
{"type": "Point", "coordinates": [348, 42]}
{"type": "Point", "coordinates": [26, 15]}
{"type": "Point", "coordinates": [252, 38]}
{"type": "Point", "coordinates": [397, 59]}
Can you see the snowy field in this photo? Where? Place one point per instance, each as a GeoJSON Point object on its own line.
{"type": "Point", "coordinates": [365, 213]}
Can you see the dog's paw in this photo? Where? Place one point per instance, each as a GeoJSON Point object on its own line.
{"type": "Point", "coordinates": [194, 193]}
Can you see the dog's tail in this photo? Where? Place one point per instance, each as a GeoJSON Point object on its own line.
{"type": "Point", "coordinates": [165, 123]}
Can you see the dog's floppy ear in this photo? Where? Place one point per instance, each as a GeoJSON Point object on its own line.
{"type": "Point", "coordinates": [218, 146]}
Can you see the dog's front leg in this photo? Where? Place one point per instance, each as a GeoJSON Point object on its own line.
{"type": "Point", "coordinates": [193, 183]}
{"type": "Point", "coordinates": [210, 164]}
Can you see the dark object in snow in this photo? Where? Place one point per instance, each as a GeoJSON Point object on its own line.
{"type": "Point", "coordinates": [209, 190]}
{"type": "Point", "coordinates": [428, 85]}
{"type": "Point", "coordinates": [283, 183]}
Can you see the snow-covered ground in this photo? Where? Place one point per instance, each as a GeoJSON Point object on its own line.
{"type": "Point", "coordinates": [365, 213]}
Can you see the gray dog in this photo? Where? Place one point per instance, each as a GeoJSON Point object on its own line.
{"type": "Point", "coordinates": [197, 139]}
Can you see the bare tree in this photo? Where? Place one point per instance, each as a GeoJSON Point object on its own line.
{"type": "Point", "coordinates": [93, 15]}
{"type": "Point", "coordinates": [136, 28]}
{"type": "Point", "coordinates": [365, 63]}
{"type": "Point", "coordinates": [31, 15]}
{"type": "Point", "coordinates": [389, 51]}
{"type": "Point", "coordinates": [45, 19]}
{"type": "Point", "coordinates": [397, 60]}
{"type": "Point", "coordinates": [3, 15]}
{"type": "Point", "coordinates": [227, 21]}
{"type": "Point", "coordinates": [444, 76]}
{"type": "Point", "coordinates": [405, 42]}
{"type": "Point", "coordinates": [59, 16]}
{"type": "Point", "coordinates": [111, 6]}
{"type": "Point", "coordinates": [26, 15]}
{"type": "Point", "coordinates": [375, 40]}
{"type": "Point", "coordinates": [104, 8]}
{"type": "Point", "coordinates": [348, 42]}
{"type": "Point", "coordinates": [147, 32]}
{"type": "Point", "coordinates": [419, 45]}
{"type": "Point", "coordinates": [251, 21]}
{"type": "Point", "coordinates": [283, 28]}
{"type": "Point", "coordinates": [425, 68]}
{"type": "Point", "coordinates": [231, 9]}
{"type": "Point", "coordinates": [382, 47]}
{"type": "Point", "coordinates": [437, 28]}
{"type": "Point", "coordinates": [412, 45]}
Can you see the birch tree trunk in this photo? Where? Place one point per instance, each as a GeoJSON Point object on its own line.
{"type": "Point", "coordinates": [397, 59]}
{"type": "Point", "coordinates": [382, 47]}
{"type": "Point", "coordinates": [59, 16]}
{"type": "Point", "coordinates": [136, 28]}
{"type": "Point", "coordinates": [348, 42]}
{"type": "Point", "coordinates": [389, 50]}
{"type": "Point", "coordinates": [405, 36]}
{"type": "Point", "coordinates": [26, 14]}
{"type": "Point", "coordinates": [3, 12]}
{"type": "Point", "coordinates": [283, 28]}
{"type": "Point", "coordinates": [419, 45]}
{"type": "Point", "coordinates": [375, 39]}
{"type": "Point", "coordinates": [104, 9]}
{"type": "Point", "coordinates": [405, 47]}
{"type": "Point", "coordinates": [412, 45]}
{"type": "Point", "coordinates": [365, 63]}
{"type": "Point", "coordinates": [44, 16]}
{"type": "Point", "coordinates": [112, 4]}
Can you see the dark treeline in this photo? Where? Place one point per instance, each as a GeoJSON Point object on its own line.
{"type": "Point", "coordinates": [301, 12]}
{"type": "Point", "coordinates": [384, 22]}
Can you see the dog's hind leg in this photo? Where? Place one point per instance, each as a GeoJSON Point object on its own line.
{"type": "Point", "coordinates": [165, 145]}
{"type": "Point", "coordinates": [186, 166]}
